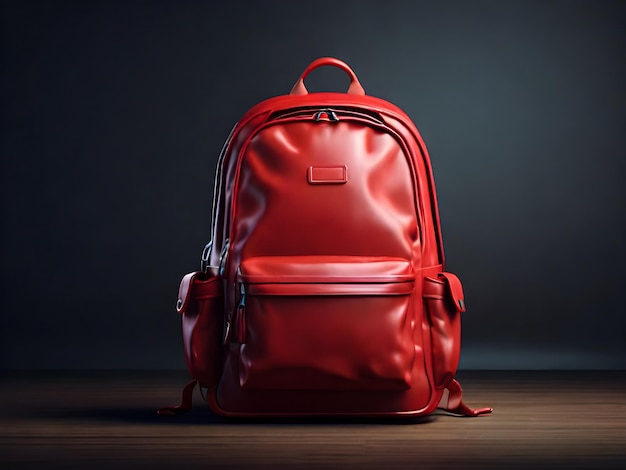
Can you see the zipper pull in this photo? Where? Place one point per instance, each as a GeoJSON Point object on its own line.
{"type": "Point", "coordinates": [239, 319]}
{"type": "Point", "coordinates": [242, 301]}
{"type": "Point", "coordinates": [223, 255]}
{"type": "Point", "coordinates": [330, 114]}
{"type": "Point", "coordinates": [226, 332]}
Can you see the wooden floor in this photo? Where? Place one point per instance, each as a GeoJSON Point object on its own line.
{"type": "Point", "coordinates": [108, 420]}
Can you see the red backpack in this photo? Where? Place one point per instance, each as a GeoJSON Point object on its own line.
{"type": "Point", "coordinates": [322, 291]}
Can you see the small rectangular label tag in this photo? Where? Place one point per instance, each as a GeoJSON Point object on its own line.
{"type": "Point", "coordinates": [328, 174]}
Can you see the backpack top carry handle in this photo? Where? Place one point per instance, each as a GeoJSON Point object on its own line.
{"type": "Point", "coordinates": [355, 87]}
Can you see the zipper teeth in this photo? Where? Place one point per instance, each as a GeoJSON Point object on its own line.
{"type": "Point", "coordinates": [313, 112]}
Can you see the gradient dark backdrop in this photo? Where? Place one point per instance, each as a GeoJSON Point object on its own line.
{"type": "Point", "coordinates": [113, 114]}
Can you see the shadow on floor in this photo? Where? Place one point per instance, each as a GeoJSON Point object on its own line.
{"type": "Point", "coordinates": [199, 416]}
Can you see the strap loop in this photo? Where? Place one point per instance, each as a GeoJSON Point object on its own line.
{"type": "Point", "coordinates": [452, 402]}
{"type": "Point", "coordinates": [185, 404]}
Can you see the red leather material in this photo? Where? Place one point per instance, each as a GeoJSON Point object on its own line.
{"type": "Point", "coordinates": [303, 331]}
{"type": "Point", "coordinates": [441, 299]}
{"type": "Point", "coordinates": [321, 343]}
{"type": "Point", "coordinates": [329, 269]}
{"type": "Point", "coordinates": [326, 288]}
{"type": "Point", "coordinates": [328, 175]}
{"type": "Point", "coordinates": [375, 212]}
{"type": "Point", "coordinates": [201, 309]}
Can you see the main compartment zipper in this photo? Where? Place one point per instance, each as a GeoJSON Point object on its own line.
{"type": "Point", "coordinates": [326, 114]}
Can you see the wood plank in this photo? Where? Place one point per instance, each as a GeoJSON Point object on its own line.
{"type": "Point", "coordinates": [104, 420]}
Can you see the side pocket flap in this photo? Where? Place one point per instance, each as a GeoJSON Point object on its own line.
{"type": "Point", "coordinates": [198, 286]}
{"type": "Point", "coordinates": [184, 291]}
{"type": "Point", "coordinates": [455, 290]}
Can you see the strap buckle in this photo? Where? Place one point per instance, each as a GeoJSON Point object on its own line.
{"type": "Point", "coordinates": [206, 254]}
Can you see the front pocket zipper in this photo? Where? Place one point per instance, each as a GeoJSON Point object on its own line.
{"type": "Point", "coordinates": [325, 323]}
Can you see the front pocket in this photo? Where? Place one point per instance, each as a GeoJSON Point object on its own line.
{"type": "Point", "coordinates": [444, 302]}
{"type": "Point", "coordinates": [326, 323]}
{"type": "Point", "coordinates": [200, 303]}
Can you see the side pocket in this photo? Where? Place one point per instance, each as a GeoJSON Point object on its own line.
{"type": "Point", "coordinates": [201, 303]}
{"type": "Point", "coordinates": [444, 302]}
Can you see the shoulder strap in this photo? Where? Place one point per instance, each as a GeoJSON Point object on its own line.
{"type": "Point", "coordinates": [453, 402]}
{"type": "Point", "coordinates": [185, 404]}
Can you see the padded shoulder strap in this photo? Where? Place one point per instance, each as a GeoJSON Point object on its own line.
{"type": "Point", "coordinates": [453, 402]}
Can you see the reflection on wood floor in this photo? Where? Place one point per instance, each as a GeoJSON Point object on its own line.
{"type": "Point", "coordinates": [108, 420]}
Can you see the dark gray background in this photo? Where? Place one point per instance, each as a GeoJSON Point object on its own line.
{"type": "Point", "coordinates": [113, 114]}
